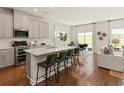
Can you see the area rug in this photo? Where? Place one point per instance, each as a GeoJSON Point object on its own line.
{"type": "Point", "coordinates": [117, 74]}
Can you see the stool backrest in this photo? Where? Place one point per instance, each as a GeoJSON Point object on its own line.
{"type": "Point", "coordinates": [81, 45]}
{"type": "Point", "coordinates": [62, 55]}
{"type": "Point", "coordinates": [77, 50]}
{"type": "Point", "coordinates": [70, 53]}
{"type": "Point", "coordinates": [51, 59]}
{"type": "Point", "coordinates": [85, 45]}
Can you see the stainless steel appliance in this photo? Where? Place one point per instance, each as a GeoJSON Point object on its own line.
{"type": "Point", "coordinates": [19, 53]}
{"type": "Point", "coordinates": [21, 34]}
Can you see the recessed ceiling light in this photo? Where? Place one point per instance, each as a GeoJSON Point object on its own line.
{"type": "Point", "coordinates": [35, 9]}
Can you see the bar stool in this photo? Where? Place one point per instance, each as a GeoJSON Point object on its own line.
{"type": "Point", "coordinates": [76, 54]}
{"type": "Point", "coordinates": [50, 61]}
{"type": "Point", "coordinates": [61, 58]}
{"type": "Point", "coordinates": [69, 56]}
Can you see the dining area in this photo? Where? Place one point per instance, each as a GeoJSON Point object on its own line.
{"type": "Point", "coordinates": [43, 63]}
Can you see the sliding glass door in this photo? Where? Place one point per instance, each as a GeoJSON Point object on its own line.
{"type": "Point", "coordinates": [85, 37]}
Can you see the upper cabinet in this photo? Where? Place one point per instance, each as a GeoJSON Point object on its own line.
{"type": "Point", "coordinates": [44, 29]}
{"type": "Point", "coordinates": [21, 20]}
{"type": "Point", "coordinates": [38, 28]}
{"type": "Point", "coordinates": [34, 28]}
{"type": "Point", "coordinates": [6, 25]}
{"type": "Point", "coordinates": [1, 26]}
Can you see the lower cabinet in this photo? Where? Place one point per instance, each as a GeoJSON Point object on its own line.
{"type": "Point", "coordinates": [6, 57]}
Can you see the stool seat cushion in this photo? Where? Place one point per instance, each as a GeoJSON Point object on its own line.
{"type": "Point", "coordinates": [44, 64]}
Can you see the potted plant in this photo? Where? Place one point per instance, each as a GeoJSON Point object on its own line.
{"type": "Point", "coordinates": [63, 37]}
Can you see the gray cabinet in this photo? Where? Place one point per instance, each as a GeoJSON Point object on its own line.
{"type": "Point", "coordinates": [38, 28]}
{"type": "Point", "coordinates": [8, 21]}
{"type": "Point", "coordinates": [2, 59]}
{"type": "Point", "coordinates": [34, 28]}
{"type": "Point", "coordinates": [44, 30]}
{"type": "Point", "coordinates": [21, 20]}
{"type": "Point", "coordinates": [6, 25]}
{"type": "Point", "coordinates": [6, 57]}
{"type": "Point", "coordinates": [1, 25]}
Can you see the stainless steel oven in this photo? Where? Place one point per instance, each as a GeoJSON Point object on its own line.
{"type": "Point", "coordinates": [20, 54]}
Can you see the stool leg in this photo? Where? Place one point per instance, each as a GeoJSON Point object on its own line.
{"type": "Point", "coordinates": [46, 76]}
{"type": "Point", "coordinates": [55, 73]}
{"type": "Point", "coordinates": [67, 65]}
{"type": "Point", "coordinates": [65, 68]}
{"type": "Point", "coordinates": [78, 61]}
{"type": "Point", "coordinates": [37, 75]}
{"type": "Point", "coordinates": [71, 62]}
{"type": "Point", "coordinates": [74, 60]}
{"type": "Point", "coordinates": [58, 67]}
{"type": "Point", "coordinates": [50, 71]}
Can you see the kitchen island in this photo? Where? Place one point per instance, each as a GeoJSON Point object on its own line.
{"type": "Point", "coordinates": [37, 55]}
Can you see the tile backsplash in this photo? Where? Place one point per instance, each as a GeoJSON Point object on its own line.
{"type": "Point", "coordinates": [7, 42]}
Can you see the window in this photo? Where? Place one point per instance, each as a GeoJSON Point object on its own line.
{"type": "Point", "coordinates": [117, 37]}
{"type": "Point", "coordinates": [85, 37]}
{"type": "Point", "coordinates": [81, 38]}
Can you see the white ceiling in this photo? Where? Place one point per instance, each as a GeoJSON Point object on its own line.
{"type": "Point", "coordinates": [77, 15]}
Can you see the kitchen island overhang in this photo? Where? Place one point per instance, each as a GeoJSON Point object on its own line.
{"type": "Point", "coordinates": [37, 55]}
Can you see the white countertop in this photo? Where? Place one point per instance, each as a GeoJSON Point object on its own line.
{"type": "Point", "coordinates": [5, 47]}
{"type": "Point", "coordinates": [47, 50]}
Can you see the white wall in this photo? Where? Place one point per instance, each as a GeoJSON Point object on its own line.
{"type": "Point", "coordinates": [103, 27]}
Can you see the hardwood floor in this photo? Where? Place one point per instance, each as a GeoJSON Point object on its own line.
{"type": "Point", "coordinates": [86, 75]}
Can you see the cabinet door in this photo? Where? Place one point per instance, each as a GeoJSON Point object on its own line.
{"type": "Point", "coordinates": [1, 25]}
{"type": "Point", "coordinates": [41, 30]}
{"type": "Point", "coordinates": [17, 20]}
{"type": "Point", "coordinates": [25, 21]}
{"type": "Point", "coordinates": [21, 20]}
{"type": "Point", "coordinates": [8, 32]}
{"type": "Point", "coordinates": [34, 28]}
{"type": "Point", "coordinates": [10, 57]}
{"type": "Point", "coordinates": [31, 34]}
{"type": "Point", "coordinates": [46, 30]}
{"type": "Point", "coordinates": [2, 59]}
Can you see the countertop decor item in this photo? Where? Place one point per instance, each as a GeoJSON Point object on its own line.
{"type": "Point", "coordinates": [63, 37]}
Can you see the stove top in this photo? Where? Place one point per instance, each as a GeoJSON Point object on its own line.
{"type": "Point", "coordinates": [19, 44]}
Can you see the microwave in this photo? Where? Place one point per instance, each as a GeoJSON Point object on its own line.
{"type": "Point", "coordinates": [21, 34]}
